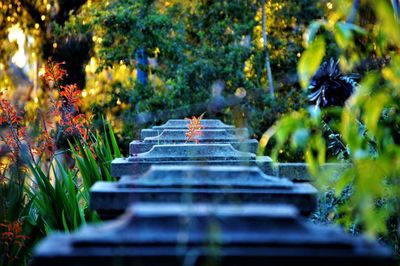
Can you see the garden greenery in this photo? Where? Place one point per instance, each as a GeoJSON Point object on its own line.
{"type": "Point", "coordinates": [364, 134]}
{"type": "Point", "coordinates": [203, 56]}
{"type": "Point", "coordinates": [40, 191]}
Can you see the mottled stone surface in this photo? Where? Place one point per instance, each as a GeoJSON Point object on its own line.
{"type": "Point", "coordinates": [209, 136]}
{"type": "Point", "coordinates": [192, 152]}
{"type": "Point", "coordinates": [200, 176]}
{"type": "Point", "coordinates": [299, 172]}
{"type": "Point", "coordinates": [183, 123]}
{"type": "Point", "coordinates": [241, 133]}
{"type": "Point", "coordinates": [170, 234]}
{"type": "Point", "coordinates": [199, 154]}
{"type": "Point", "coordinates": [250, 145]}
{"type": "Point", "coordinates": [124, 166]}
{"type": "Point", "coordinates": [214, 184]}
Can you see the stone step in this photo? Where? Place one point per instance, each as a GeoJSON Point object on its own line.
{"type": "Point", "coordinates": [173, 136]}
{"type": "Point", "coordinates": [299, 171]}
{"type": "Point", "coordinates": [242, 133]}
{"type": "Point", "coordinates": [182, 124]}
{"type": "Point", "coordinates": [191, 183]}
{"type": "Point", "coordinates": [207, 135]}
{"type": "Point", "coordinates": [200, 154]}
{"type": "Point", "coordinates": [189, 152]}
{"type": "Point", "coordinates": [184, 234]}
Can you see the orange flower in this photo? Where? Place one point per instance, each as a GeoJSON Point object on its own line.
{"type": "Point", "coordinates": [65, 108]}
{"type": "Point", "coordinates": [13, 233]}
{"type": "Point", "coordinates": [8, 114]}
{"type": "Point", "coordinates": [71, 95]}
{"type": "Point", "coordinates": [16, 132]}
{"type": "Point", "coordinates": [54, 72]}
{"type": "Point", "coordinates": [75, 124]}
{"type": "Point", "coordinates": [45, 144]}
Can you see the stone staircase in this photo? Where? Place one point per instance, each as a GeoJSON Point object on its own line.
{"type": "Point", "coordinates": [214, 203]}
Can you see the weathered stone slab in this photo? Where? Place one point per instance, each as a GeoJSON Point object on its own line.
{"type": "Point", "coordinates": [205, 176]}
{"type": "Point", "coordinates": [182, 124]}
{"type": "Point", "coordinates": [214, 184]}
{"type": "Point", "coordinates": [299, 172]}
{"type": "Point", "coordinates": [173, 136]}
{"type": "Point", "coordinates": [192, 152]}
{"type": "Point", "coordinates": [242, 133]}
{"type": "Point", "coordinates": [177, 234]}
{"type": "Point", "coordinates": [209, 135]}
{"type": "Point", "coordinates": [198, 154]}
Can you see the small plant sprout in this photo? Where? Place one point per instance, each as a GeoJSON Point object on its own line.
{"type": "Point", "coordinates": [194, 129]}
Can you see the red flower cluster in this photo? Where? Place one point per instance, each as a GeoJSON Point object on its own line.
{"type": "Point", "coordinates": [64, 110]}
{"type": "Point", "coordinates": [66, 107]}
{"type": "Point", "coordinates": [76, 125]}
{"type": "Point", "coordinates": [71, 94]}
{"type": "Point", "coordinates": [16, 131]}
{"type": "Point", "coordinates": [53, 72]}
{"type": "Point", "coordinates": [194, 129]}
{"type": "Point", "coordinates": [8, 114]}
{"type": "Point", "coordinates": [45, 144]}
{"type": "Point", "coordinates": [12, 234]}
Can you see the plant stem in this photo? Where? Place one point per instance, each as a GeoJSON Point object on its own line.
{"type": "Point", "coordinates": [267, 59]}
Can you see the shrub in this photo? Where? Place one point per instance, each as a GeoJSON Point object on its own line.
{"type": "Point", "coordinates": [39, 188]}
{"type": "Point", "coordinates": [364, 133]}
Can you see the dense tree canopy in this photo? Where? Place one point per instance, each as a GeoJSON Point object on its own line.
{"type": "Point", "coordinates": [138, 62]}
{"type": "Point", "coordinates": [203, 56]}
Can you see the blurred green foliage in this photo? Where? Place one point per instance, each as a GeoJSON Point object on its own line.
{"type": "Point", "coordinates": [37, 21]}
{"type": "Point", "coordinates": [365, 133]}
{"type": "Point", "coordinates": [209, 56]}
{"type": "Point", "coordinates": [51, 196]}
{"type": "Point", "coordinates": [204, 56]}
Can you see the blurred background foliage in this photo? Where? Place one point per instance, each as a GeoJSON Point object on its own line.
{"type": "Point", "coordinates": [365, 132]}
{"type": "Point", "coordinates": [201, 56]}
{"type": "Point", "coordinates": [142, 62]}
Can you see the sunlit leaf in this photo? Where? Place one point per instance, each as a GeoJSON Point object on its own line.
{"type": "Point", "coordinates": [300, 137]}
{"type": "Point", "coordinates": [344, 33]}
{"type": "Point", "coordinates": [373, 109]}
{"type": "Point", "coordinates": [312, 32]}
{"type": "Point", "coordinates": [345, 179]}
{"type": "Point", "coordinates": [310, 61]}
{"type": "Point", "coordinates": [389, 25]}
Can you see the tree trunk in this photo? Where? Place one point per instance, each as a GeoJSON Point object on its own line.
{"type": "Point", "coordinates": [267, 61]}
{"type": "Point", "coordinates": [396, 8]}
{"type": "Point", "coordinates": [351, 18]}
{"type": "Point", "coordinates": [142, 65]}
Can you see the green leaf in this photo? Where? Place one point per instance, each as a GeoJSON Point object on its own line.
{"type": "Point", "coordinates": [389, 25]}
{"type": "Point", "coordinates": [373, 109]}
{"type": "Point", "coordinates": [312, 31]}
{"type": "Point", "coordinates": [344, 33]}
{"type": "Point", "coordinates": [345, 179]}
{"type": "Point", "coordinates": [315, 114]}
{"type": "Point", "coordinates": [64, 222]}
{"type": "Point", "coordinates": [310, 61]}
{"type": "Point", "coordinates": [300, 138]}
{"type": "Point", "coordinates": [114, 144]}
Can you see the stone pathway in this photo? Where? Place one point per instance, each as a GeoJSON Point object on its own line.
{"type": "Point", "coordinates": [214, 203]}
